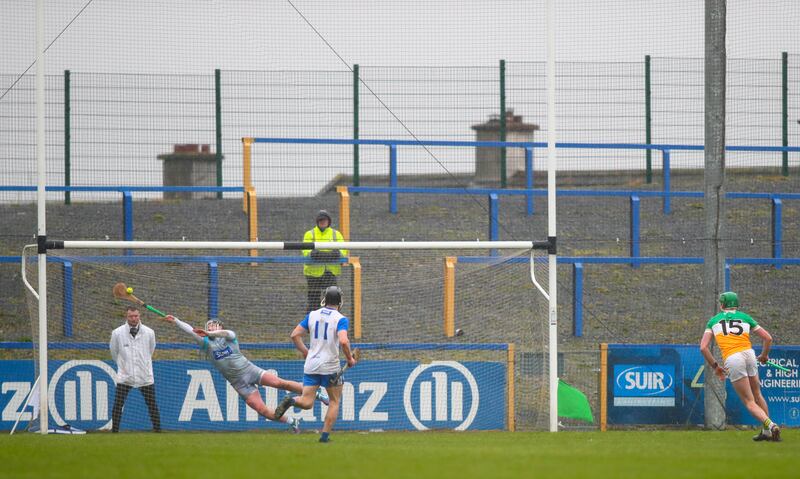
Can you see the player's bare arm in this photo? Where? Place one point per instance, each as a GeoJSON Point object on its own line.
{"type": "Point", "coordinates": [297, 339]}
{"type": "Point", "coordinates": [344, 342]}
{"type": "Point", "coordinates": [705, 342]}
{"type": "Point", "coordinates": [766, 338]}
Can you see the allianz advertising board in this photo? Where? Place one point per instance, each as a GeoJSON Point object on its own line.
{"type": "Point", "coordinates": [663, 384]}
{"type": "Point", "coordinates": [191, 396]}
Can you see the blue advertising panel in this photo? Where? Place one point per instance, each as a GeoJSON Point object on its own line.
{"type": "Point", "coordinates": [192, 396]}
{"type": "Point", "coordinates": [663, 384]}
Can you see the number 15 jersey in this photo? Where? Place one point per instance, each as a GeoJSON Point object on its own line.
{"type": "Point", "coordinates": [323, 325]}
{"type": "Point", "coordinates": [732, 330]}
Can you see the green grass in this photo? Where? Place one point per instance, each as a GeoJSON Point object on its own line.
{"type": "Point", "coordinates": [617, 454]}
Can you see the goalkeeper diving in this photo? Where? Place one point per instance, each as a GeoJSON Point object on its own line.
{"type": "Point", "coordinates": [221, 348]}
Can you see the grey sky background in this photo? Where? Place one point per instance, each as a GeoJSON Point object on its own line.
{"type": "Point", "coordinates": [126, 133]}
{"type": "Point", "coordinates": [182, 36]}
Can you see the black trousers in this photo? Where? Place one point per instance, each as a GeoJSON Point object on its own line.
{"type": "Point", "coordinates": [316, 286]}
{"type": "Point", "coordinates": [149, 394]}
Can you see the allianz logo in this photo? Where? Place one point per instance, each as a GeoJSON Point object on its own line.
{"type": "Point", "coordinates": [434, 395]}
{"type": "Point", "coordinates": [643, 378]}
{"type": "Point", "coordinates": [78, 391]}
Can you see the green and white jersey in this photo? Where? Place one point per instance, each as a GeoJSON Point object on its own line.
{"type": "Point", "coordinates": [732, 330]}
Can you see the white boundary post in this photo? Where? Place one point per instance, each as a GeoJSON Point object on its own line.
{"type": "Point", "coordinates": [41, 199]}
{"type": "Point", "coordinates": [551, 213]}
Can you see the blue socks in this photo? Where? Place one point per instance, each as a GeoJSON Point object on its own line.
{"type": "Point", "coordinates": [324, 437]}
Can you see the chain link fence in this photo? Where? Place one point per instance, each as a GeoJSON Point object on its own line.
{"type": "Point", "coordinates": [110, 129]}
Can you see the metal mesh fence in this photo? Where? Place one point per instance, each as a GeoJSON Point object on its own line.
{"type": "Point", "coordinates": [18, 134]}
{"type": "Point", "coordinates": [753, 115]}
{"type": "Point", "coordinates": [597, 102]}
{"type": "Point", "coordinates": [287, 104]}
{"type": "Point", "coordinates": [425, 103]}
{"type": "Point", "coordinates": [122, 123]}
{"type": "Point", "coordinates": [793, 106]}
{"type": "Point", "coordinates": [109, 129]}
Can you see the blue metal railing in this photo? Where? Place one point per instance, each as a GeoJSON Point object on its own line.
{"type": "Point", "coordinates": [577, 262]}
{"type": "Point", "coordinates": [528, 148]}
{"type": "Point", "coordinates": [127, 196]}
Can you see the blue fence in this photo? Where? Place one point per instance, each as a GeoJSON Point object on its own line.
{"type": "Point", "coordinates": [213, 262]}
{"type": "Point", "coordinates": [633, 196]}
{"type": "Point", "coordinates": [528, 148]}
{"type": "Point", "coordinates": [578, 263]}
{"type": "Point", "coordinates": [127, 196]}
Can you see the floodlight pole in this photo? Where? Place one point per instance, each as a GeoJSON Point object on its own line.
{"type": "Point", "coordinates": [551, 216]}
{"type": "Point", "coordinates": [41, 198]}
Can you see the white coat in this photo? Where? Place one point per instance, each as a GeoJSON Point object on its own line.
{"type": "Point", "coordinates": [134, 356]}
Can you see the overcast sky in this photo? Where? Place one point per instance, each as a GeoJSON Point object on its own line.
{"type": "Point", "coordinates": [200, 35]}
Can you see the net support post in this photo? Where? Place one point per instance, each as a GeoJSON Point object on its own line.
{"type": "Point", "coordinates": [577, 300]}
{"type": "Point", "coordinates": [648, 121]}
{"type": "Point", "coordinates": [252, 217]}
{"type": "Point", "coordinates": [635, 226]}
{"type": "Point", "coordinates": [450, 296]}
{"type": "Point", "coordinates": [785, 112]}
{"type": "Point", "coordinates": [127, 218]}
{"type": "Point", "coordinates": [67, 138]}
{"type": "Point", "coordinates": [494, 217]}
{"type": "Point", "coordinates": [603, 387]}
{"type": "Point", "coordinates": [344, 211]}
{"type": "Point", "coordinates": [503, 151]}
{"type": "Point", "coordinates": [777, 230]}
{"type": "Point", "coordinates": [393, 178]}
{"type": "Point", "coordinates": [529, 179]}
{"type": "Point", "coordinates": [666, 172]}
{"type": "Point", "coordinates": [247, 146]}
{"type": "Point", "coordinates": [510, 393]}
{"type": "Point", "coordinates": [356, 264]}
{"type": "Point", "coordinates": [218, 126]}
{"type": "Point", "coordinates": [213, 290]}
{"type": "Point", "coordinates": [727, 276]}
{"type": "Point", "coordinates": [68, 298]}
{"type": "Point", "coordinates": [356, 108]}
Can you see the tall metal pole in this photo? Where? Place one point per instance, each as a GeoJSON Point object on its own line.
{"type": "Point", "coordinates": [551, 215]}
{"type": "Point", "coordinates": [714, 187]}
{"type": "Point", "coordinates": [41, 199]}
{"type": "Point", "coordinates": [218, 126]}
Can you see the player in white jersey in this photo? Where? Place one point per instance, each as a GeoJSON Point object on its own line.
{"type": "Point", "coordinates": [327, 328]}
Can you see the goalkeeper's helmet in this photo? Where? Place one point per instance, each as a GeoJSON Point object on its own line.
{"type": "Point", "coordinates": [729, 299]}
{"type": "Point", "coordinates": [333, 296]}
{"type": "Point", "coordinates": [213, 322]}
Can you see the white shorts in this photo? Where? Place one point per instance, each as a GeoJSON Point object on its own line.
{"type": "Point", "coordinates": [741, 364]}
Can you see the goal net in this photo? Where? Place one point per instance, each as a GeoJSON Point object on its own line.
{"type": "Point", "coordinates": [449, 338]}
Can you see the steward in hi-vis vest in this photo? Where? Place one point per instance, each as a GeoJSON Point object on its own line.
{"type": "Point", "coordinates": [325, 264]}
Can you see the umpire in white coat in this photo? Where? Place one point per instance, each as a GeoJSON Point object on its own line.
{"type": "Point", "coordinates": [132, 346]}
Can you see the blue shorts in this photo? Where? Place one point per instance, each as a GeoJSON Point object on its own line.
{"type": "Point", "coordinates": [317, 380]}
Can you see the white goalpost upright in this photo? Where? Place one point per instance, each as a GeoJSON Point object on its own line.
{"type": "Point", "coordinates": [41, 201]}
{"type": "Point", "coordinates": [551, 213]}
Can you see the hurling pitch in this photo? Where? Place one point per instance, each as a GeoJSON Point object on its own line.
{"type": "Point", "coordinates": [635, 454]}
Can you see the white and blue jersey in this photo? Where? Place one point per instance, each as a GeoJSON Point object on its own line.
{"type": "Point", "coordinates": [323, 325]}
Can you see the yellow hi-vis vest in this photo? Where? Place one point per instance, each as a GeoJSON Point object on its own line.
{"type": "Point", "coordinates": [318, 269]}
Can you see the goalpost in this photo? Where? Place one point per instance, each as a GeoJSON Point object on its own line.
{"type": "Point", "coordinates": [491, 372]}
{"type": "Point", "coordinates": [43, 244]}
